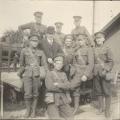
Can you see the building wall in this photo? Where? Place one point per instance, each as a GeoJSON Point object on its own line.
{"type": "Point", "coordinates": [114, 43]}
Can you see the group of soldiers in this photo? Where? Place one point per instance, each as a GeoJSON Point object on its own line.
{"type": "Point", "coordinates": [64, 62]}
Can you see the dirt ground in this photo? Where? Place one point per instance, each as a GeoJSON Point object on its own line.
{"type": "Point", "coordinates": [86, 112]}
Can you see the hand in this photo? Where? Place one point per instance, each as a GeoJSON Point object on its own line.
{"type": "Point", "coordinates": [55, 84]}
{"type": "Point", "coordinates": [19, 75]}
{"type": "Point", "coordinates": [104, 73]}
{"type": "Point", "coordinates": [50, 60]}
{"type": "Point", "coordinates": [84, 78]}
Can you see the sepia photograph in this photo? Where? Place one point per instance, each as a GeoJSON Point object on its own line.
{"type": "Point", "coordinates": [60, 59]}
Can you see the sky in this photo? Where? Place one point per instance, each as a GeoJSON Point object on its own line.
{"type": "Point", "coordinates": [16, 12]}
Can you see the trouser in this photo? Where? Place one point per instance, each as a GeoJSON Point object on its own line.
{"type": "Point", "coordinates": [102, 87]}
{"type": "Point", "coordinates": [62, 111]}
{"type": "Point", "coordinates": [103, 91]}
{"type": "Point", "coordinates": [31, 86]}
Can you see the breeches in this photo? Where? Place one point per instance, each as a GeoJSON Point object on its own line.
{"type": "Point", "coordinates": [31, 86]}
{"type": "Point", "coordinates": [56, 112]}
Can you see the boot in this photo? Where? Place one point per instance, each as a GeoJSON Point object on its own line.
{"type": "Point", "coordinates": [28, 108]}
{"type": "Point", "coordinates": [76, 105]}
{"type": "Point", "coordinates": [101, 105]}
{"type": "Point", "coordinates": [34, 105]}
{"type": "Point", "coordinates": [107, 107]}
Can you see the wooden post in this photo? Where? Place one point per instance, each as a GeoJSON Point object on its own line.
{"type": "Point", "coordinates": [9, 57]}
{"type": "Point", "coordinates": [1, 82]}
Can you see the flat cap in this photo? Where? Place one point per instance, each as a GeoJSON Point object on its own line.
{"type": "Point", "coordinates": [69, 36]}
{"type": "Point", "coordinates": [99, 34]}
{"type": "Point", "coordinates": [59, 57]}
{"type": "Point", "coordinates": [50, 30]}
{"type": "Point", "coordinates": [34, 37]}
{"type": "Point", "coordinates": [38, 14]}
{"type": "Point", "coordinates": [77, 18]}
{"type": "Point", "coordinates": [58, 23]}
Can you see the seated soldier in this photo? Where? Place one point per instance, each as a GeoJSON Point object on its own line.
{"type": "Point", "coordinates": [58, 104]}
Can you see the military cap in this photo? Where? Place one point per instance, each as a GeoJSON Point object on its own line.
{"type": "Point", "coordinates": [59, 57]}
{"type": "Point", "coordinates": [69, 36]}
{"type": "Point", "coordinates": [50, 30]}
{"type": "Point", "coordinates": [81, 36]}
{"type": "Point", "coordinates": [99, 34]}
{"type": "Point", "coordinates": [77, 18]}
{"type": "Point", "coordinates": [33, 36]}
{"type": "Point", "coordinates": [58, 23]}
{"type": "Point", "coordinates": [38, 14]}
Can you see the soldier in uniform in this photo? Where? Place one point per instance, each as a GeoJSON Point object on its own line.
{"type": "Point", "coordinates": [30, 61]}
{"type": "Point", "coordinates": [69, 54]}
{"type": "Point", "coordinates": [50, 47]}
{"type": "Point", "coordinates": [35, 27]}
{"type": "Point", "coordinates": [83, 62]}
{"type": "Point", "coordinates": [80, 30]}
{"type": "Point", "coordinates": [58, 103]}
{"type": "Point", "coordinates": [59, 36]}
{"type": "Point", "coordinates": [102, 69]}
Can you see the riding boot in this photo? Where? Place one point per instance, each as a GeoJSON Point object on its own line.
{"type": "Point", "coordinates": [76, 104]}
{"type": "Point", "coordinates": [34, 105]}
{"type": "Point", "coordinates": [28, 108]}
{"type": "Point", "coordinates": [107, 107]}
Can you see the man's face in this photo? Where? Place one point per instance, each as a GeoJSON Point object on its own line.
{"type": "Point", "coordinates": [68, 42]}
{"type": "Point", "coordinates": [81, 42]}
{"type": "Point", "coordinates": [58, 65]}
{"type": "Point", "coordinates": [38, 19]}
{"type": "Point", "coordinates": [50, 36]}
{"type": "Point", "coordinates": [77, 22]}
{"type": "Point", "coordinates": [58, 29]}
{"type": "Point", "coordinates": [100, 40]}
{"type": "Point", "coordinates": [26, 32]}
{"type": "Point", "coordinates": [34, 42]}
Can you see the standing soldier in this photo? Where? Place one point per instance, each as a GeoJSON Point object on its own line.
{"type": "Point", "coordinates": [35, 27]}
{"type": "Point", "coordinates": [30, 61]}
{"type": "Point", "coordinates": [69, 54]}
{"type": "Point", "coordinates": [102, 69]}
{"type": "Point", "coordinates": [83, 62]}
{"type": "Point", "coordinates": [80, 30]}
{"type": "Point", "coordinates": [59, 36]}
{"type": "Point", "coordinates": [57, 99]}
{"type": "Point", "coordinates": [50, 47]}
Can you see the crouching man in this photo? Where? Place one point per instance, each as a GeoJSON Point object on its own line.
{"type": "Point", "coordinates": [57, 99]}
{"type": "Point", "coordinates": [30, 61]}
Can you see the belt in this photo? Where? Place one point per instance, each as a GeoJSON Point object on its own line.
{"type": "Point", "coordinates": [32, 65]}
{"type": "Point", "coordinates": [81, 66]}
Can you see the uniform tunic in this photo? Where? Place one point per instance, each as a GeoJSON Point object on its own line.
{"type": "Point", "coordinates": [84, 63]}
{"type": "Point", "coordinates": [35, 28]}
{"type": "Point", "coordinates": [31, 63]}
{"type": "Point", "coordinates": [68, 62]}
{"type": "Point", "coordinates": [81, 30]}
{"type": "Point", "coordinates": [59, 38]}
{"type": "Point", "coordinates": [61, 101]}
{"type": "Point", "coordinates": [103, 62]}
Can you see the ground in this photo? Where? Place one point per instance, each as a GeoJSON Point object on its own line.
{"type": "Point", "coordinates": [87, 111]}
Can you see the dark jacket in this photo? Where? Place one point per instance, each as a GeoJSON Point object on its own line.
{"type": "Point", "coordinates": [31, 63]}
{"type": "Point", "coordinates": [60, 95]}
